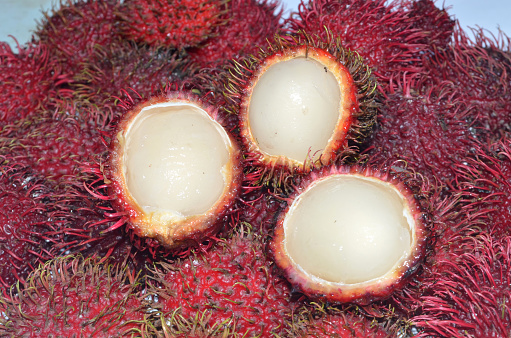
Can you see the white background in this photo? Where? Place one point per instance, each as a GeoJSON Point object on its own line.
{"type": "Point", "coordinates": [18, 17]}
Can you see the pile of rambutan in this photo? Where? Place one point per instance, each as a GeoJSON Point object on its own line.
{"type": "Point", "coordinates": [226, 169]}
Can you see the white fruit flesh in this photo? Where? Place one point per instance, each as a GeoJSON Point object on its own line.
{"type": "Point", "coordinates": [348, 229]}
{"type": "Point", "coordinates": [175, 157]}
{"type": "Point", "coordinates": [294, 109]}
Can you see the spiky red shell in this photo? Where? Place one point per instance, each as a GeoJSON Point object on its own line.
{"type": "Point", "coordinates": [475, 76]}
{"type": "Point", "coordinates": [392, 38]}
{"type": "Point", "coordinates": [325, 322]}
{"type": "Point", "coordinates": [73, 30]}
{"type": "Point", "coordinates": [425, 133]}
{"type": "Point", "coordinates": [30, 81]}
{"type": "Point", "coordinates": [25, 222]}
{"type": "Point", "coordinates": [248, 25]}
{"type": "Point", "coordinates": [191, 230]}
{"type": "Point", "coordinates": [54, 145]}
{"type": "Point", "coordinates": [232, 285]}
{"type": "Point", "coordinates": [123, 66]}
{"type": "Point", "coordinates": [170, 23]}
{"type": "Point", "coordinates": [71, 296]}
{"type": "Point", "coordinates": [363, 292]}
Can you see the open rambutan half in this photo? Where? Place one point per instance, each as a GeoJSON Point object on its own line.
{"type": "Point", "coordinates": [350, 234]}
{"type": "Point", "coordinates": [173, 169]}
{"type": "Point", "coordinates": [300, 105]}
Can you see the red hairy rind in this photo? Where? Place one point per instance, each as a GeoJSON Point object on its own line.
{"type": "Point", "coordinates": [467, 292]}
{"type": "Point", "coordinates": [483, 179]}
{"type": "Point", "coordinates": [55, 144]}
{"type": "Point", "coordinates": [365, 292]}
{"type": "Point", "coordinates": [174, 24]}
{"type": "Point", "coordinates": [393, 38]}
{"type": "Point", "coordinates": [125, 66]}
{"type": "Point", "coordinates": [72, 296]}
{"type": "Point", "coordinates": [424, 132]}
{"type": "Point", "coordinates": [232, 287]}
{"type": "Point", "coordinates": [476, 77]}
{"type": "Point", "coordinates": [463, 288]}
{"type": "Point", "coordinates": [73, 29]}
{"type": "Point", "coordinates": [27, 230]}
{"type": "Point", "coordinates": [248, 25]}
{"type": "Point", "coordinates": [361, 103]}
{"type": "Point", "coordinates": [30, 82]}
{"type": "Point", "coordinates": [323, 321]}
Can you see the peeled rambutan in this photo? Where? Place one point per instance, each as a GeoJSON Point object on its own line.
{"type": "Point", "coordinates": [301, 104]}
{"type": "Point", "coordinates": [350, 234]}
{"type": "Point", "coordinates": [392, 36]}
{"type": "Point", "coordinates": [174, 24]}
{"type": "Point", "coordinates": [24, 222]}
{"type": "Point", "coordinates": [248, 24]}
{"type": "Point", "coordinates": [173, 171]}
{"type": "Point", "coordinates": [230, 287]}
{"type": "Point", "coordinates": [74, 297]}
{"type": "Point", "coordinates": [30, 81]}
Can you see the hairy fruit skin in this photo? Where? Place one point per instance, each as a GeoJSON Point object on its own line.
{"type": "Point", "coordinates": [192, 230]}
{"type": "Point", "coordinates": [75, 297]}
{"type": "Point", "coordinates": [31, 82]}
{"type": "Point", "coordinates": [174, 24]}
{"type": "Point", "coordinates": [73, 31]}
{"type": "Point", "coordinates": [232, 285]}
{"type": "Point", "coordinates": [392, 37]}
{"type": "Point", "coordinates": [248, 25]}
{"type": "Point", "coordinates": [27, 229]}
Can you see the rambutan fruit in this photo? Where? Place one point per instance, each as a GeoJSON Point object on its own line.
{"type": "Point", "coordinates": [74, 297]}
{"type": "Point", "coordinates": [55, 144]}
{"type": "Point", "coordinates": [475, 75]}
{"type": "Point", "coordinates": [173, 171]}
{"type": "Point", "coordinates": [230, 288]}
{"type": "Point", "coordinates": [350, 234]}
{"type": "Point", "coordinates": [300, 104]}
{"type": "Point", "coordinates": [463, 284]}
{"type": "Point", "coordinates": [30, 81]}
{"type": "Point", "coordinates": [483, 180]}
{"type": "Point", "coordinates": [247, 24]}
{"type": "Point", "coordinates": [325, 321]}
{"type": "Point", "coordinates": [425, 132]}
{"type": "Point", "coordinates": [468, 294]}
{"type": "Point", "coordinates": [73, 30]}
{"type": "Point", "coordinates": [24, 222]}
{"type": "Point", "coordinates": [124, 66]}
{"type": "Point", "coordinates": [393, 37]}
{"type": "Point", "coordinates": [171, 24]}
